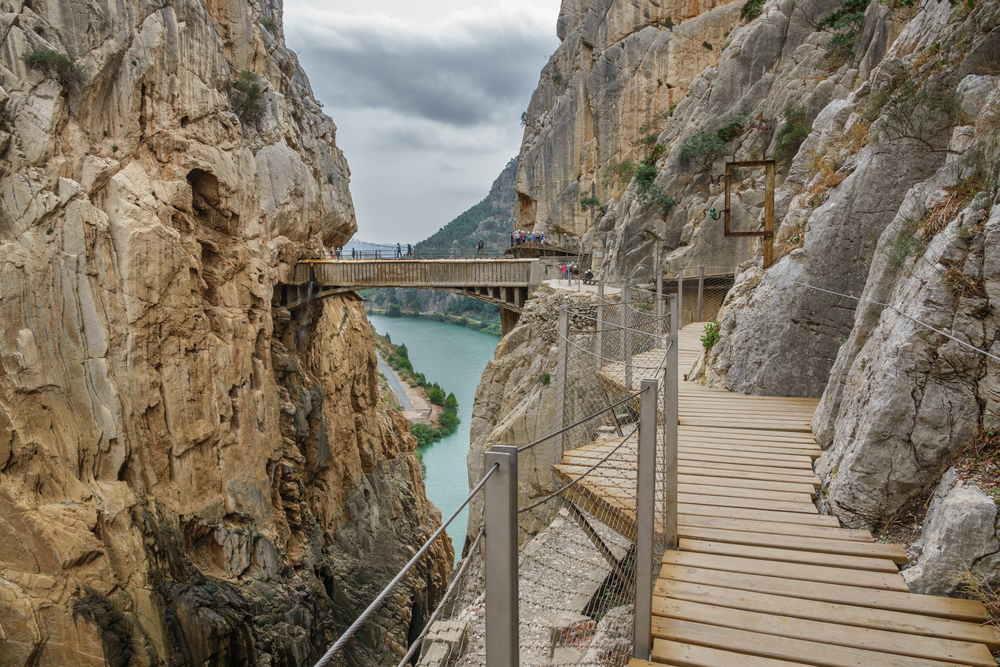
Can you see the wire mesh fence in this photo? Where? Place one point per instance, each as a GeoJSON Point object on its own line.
{"type": "Point", "coordinates": [579, 551]}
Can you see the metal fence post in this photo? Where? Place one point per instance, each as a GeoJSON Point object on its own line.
{"type": "Point", "coordinates": [645, 494]}
{"type": "Point", "coordinates": [671, 383]}
{"type": "Point", "coordinates": [599, 335]}
{"type": "Point", "coordinates": [626, 338]}
{"type": "Point", "coordinates": [500, 500]}
{"type": "Point", "coordinates": [701, 293]}
{"type": "Point", "coordinates": [680, 295]}
{"type": "Point", "coordinates": [659, 301]}
{"type": "Point", "coordinates": [563, 377]}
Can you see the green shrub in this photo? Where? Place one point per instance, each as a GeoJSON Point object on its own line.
{"type": "Point", "coordinates": [701, 149]}
{"type": "Point", "coordinates": [645, 175]}
{"type": "Point", "coordinates": [751, 9]}
{"type": "Point", "coordinates": [711, 335]}
{"type": "Point", "coordinates": [623, 171]}
{"type": "Point", "coordinates": [545, 379]}
{"type": "Point", "coordinates": [54, 64]}
{"type": "Point", "coordinates": [248, 97]}
{"type": "Point", "coordinates": [730, 131]}
{"type": "Point", "coordinates": [792, 133]}
{"type": "Point", "coordinates": [269, 24]}
{"type": "Point", "coordinates": [590, 202]}
{"type": "Point", "coordinates": [436, 395]}
{"type": "Point", "coordinates": [662, 202]}
{"type": "Point", "coordinates": [845, 23]}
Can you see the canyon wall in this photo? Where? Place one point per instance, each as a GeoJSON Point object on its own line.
{"type": "Point", "coordinates": [188, 476]}
{"type": "Point", "coordinates": [882, 119]}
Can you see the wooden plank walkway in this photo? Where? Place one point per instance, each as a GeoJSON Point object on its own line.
{"type": "Point", "coordinates": [761, 578]}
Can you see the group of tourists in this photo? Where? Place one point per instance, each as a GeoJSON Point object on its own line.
{"type": "Point", "coordinates": [519, 236]}
{"type": "Point", "coordinates": [572, 272]}
{"type": "Point", "coordinates": [400, 252]}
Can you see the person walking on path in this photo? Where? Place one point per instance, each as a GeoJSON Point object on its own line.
{"type": "Point", "coordinates": [479, 247]}
{"type": "Point", "coordinates": [409, 250]}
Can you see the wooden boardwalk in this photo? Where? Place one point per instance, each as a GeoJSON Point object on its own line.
{"type": "Point", "coordinates": [761, 578]}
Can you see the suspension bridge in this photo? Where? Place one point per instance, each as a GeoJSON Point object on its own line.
{"type": "Point", "coordinates": [680, 528]}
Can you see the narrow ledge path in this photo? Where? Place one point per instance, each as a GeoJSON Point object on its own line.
{"type": "Point", "coordinates": [761, 578]}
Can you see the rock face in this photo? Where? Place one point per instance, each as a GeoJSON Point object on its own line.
{"type": "Point", "coordinates": [883, 122]}
{"type": "Point", "coordinates": [960, 544]}
{"type": "Point", "coordinates": [613, 81]}
{"type": "Point", "coordinates": [187, 477]}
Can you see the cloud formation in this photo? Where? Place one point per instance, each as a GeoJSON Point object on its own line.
{"type": "Point", "coordinates": [428, 103]}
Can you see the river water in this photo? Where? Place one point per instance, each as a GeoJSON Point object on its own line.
{"type": "Point", "coordinates": [454, 357]}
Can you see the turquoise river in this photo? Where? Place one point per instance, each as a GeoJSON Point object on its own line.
{"type": "Point", "coordinates": [454, 357]}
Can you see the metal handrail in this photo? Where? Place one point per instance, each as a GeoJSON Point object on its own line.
{"type": "Point", "coordinates": [586, 419]}
{"type": "Point", "coordinates": [448, 591]}
{"type": "Point", "coordinates": [380, 598]}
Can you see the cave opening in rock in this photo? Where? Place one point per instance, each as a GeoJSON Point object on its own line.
{"type": "Point", "coordinates": [204, 190]}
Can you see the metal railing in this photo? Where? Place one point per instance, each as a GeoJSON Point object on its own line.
{"type": "Point", "coordinates": [580, 586]}
{"type": "Point", "coordinates": [411, 272]}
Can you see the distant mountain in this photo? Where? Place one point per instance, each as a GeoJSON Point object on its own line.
{"type": "Point", "coordinates": [491, 220]}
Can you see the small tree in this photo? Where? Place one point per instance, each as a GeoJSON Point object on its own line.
{"type": "Point", "coordinates": [711, 335]}
{"type": "Point", "coordinates": [248, 97]}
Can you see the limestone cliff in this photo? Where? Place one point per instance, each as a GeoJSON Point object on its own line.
{"type": "Point", "coordinates": [882, 119]}
{"type": "Point", "coordinates": [613, 82]}
{"type": "Point", "coordinates": [187, 476]}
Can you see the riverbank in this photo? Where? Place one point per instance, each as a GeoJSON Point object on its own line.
{"type": "Point", "coordinates": [491, 326]}
{"type": "Point", "coordinates": [432, 412]}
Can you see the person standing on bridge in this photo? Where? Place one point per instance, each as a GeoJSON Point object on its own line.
{"type": "Point", "coordinates": [479, 247]}
{"type": "Point", "coordinates": [409, 250]}
{"type": "Point", "coordinates": [399, 251]}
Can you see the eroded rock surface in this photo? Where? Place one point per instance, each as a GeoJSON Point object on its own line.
{"type": "Point", "coordinates": [186, 477]}
{"type": "Point", "coordinates": [960, 544]}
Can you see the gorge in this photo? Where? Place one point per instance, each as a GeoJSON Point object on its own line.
{"type": "Point", "coordinates": [193, 472]}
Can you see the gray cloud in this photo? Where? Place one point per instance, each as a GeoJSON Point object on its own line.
{"type": "Point", "coordinates": [476, 76]}
{"type": "Point", "coordinates": [427, 99]}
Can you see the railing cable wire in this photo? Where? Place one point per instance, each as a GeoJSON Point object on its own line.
{"type": "Point", "coordinates": [900, 312]}
{"type": "Point", "coordinates": [380, 598]}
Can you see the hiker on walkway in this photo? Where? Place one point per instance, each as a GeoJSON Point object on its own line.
{"type": "Point", "coordinates": [479, 247]}
{"type": "Point", "coordinates": [399, 251]}
{"type": "Point", "coordinates": [588, 277]}
{"type": "Point", "coordinates": [409, 250]}
{"type": "Point", "coordinates": [562, 271]}
{"type": "Point", "coordinates": [338, 251]}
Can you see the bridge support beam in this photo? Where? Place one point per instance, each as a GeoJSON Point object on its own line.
{"type": "Point", "coordinates": [508, 320]}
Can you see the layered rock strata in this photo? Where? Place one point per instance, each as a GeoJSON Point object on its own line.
{"type": "Point", "coordinates": [187, 476]}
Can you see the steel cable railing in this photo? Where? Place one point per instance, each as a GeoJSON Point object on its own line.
{"type": "Point", "coordinates": [381, 597]}
{"type": "Point", "coordinates": [900, 312]}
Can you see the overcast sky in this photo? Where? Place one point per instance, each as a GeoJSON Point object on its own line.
{"type": "Point", "coordinates": [427, 96]}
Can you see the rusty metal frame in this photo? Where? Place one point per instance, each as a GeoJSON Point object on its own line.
{"type": "Point", "coordinates": [768, 232]}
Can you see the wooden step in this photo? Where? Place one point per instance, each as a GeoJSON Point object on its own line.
{"type": "Point", "coordinates": [761, 515]}
{"type": "Point", "coordinates": [830, 634]}
{"type": "Point", "coordinates": [955, 608]}
{"type": "Point", "coordinates": [775, 528]}
{"type": "Point", "coordinates": [917, 624]}
{"type": "Point", "coordinates": [782, 648]}
{"type": "Point", "coordinates": [888, 581]}
{"type": "Point", "coordinates": [893, 552]}
{"type": "Point", "coordinates": [691, 655]}
{"type": "Point", "coordinates": [788, 555]}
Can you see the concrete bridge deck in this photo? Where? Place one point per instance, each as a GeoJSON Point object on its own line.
{"type": "Point", "coordinates": [760, 577]}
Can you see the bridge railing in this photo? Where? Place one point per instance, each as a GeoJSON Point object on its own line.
{"type": "Point", "coordinates": [417, 273]}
